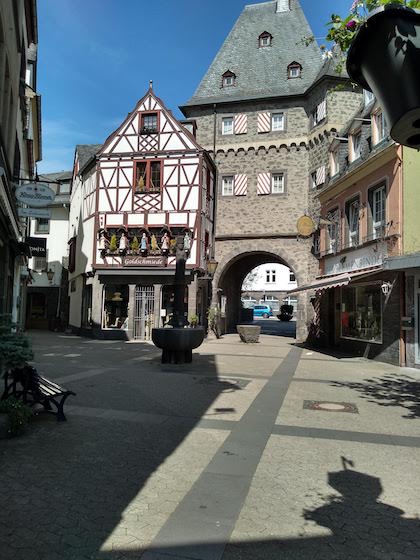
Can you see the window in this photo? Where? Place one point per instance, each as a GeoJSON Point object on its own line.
{"type": "Point", "coordinates": [334, 163]}
{"type": "Point", "coordinates": [227, 125]}
{"type": "Point", "coordinates": [313, 180]}
{"type": "Point", "coordinates": [40, 264]}
{"type": "Point", "coordinates": [147, 176]}
{"type": "Point", "coordinates": [292, 277]}
{"type": "Point", "coordinates": [264, 40]}
{"type": "Point", "coordinates": [379, 127]}
{"type": "Point", "coordinates": [277, 183]}
{"type": "Point", "coordinates": [228, 79]}
{"type": "Point", "coordinates": [319, 113]}
{"type": "Point", "coordinates": [317, 177]}
{"type": "Point", "coordinates": [115, 303]}
{"type": "Point", "coordinates": [377, 198]}
{"type": "Point", "coordinates": [294, 70]}
{"type": "Point", "coordinates": [149, 123]}
{"type": "Point", "coordinates": [361, 313]}
{"type": "Point", "coordinates": [270, 276]}
{"type": "Point", "coordinates": [227, 185]}
{"type": "Point", "coordinates": [333, 231]}
{"type": "Point", "coordinates": [277, 121]}
{"type": "Point", "coordinates": [356, 145]}
{"type": "Point", "coordinates": [42, 225]}
{"type": "Point", "coordinates": [368, 97]}
{"type": "Point", "coordinates": [352, 213]}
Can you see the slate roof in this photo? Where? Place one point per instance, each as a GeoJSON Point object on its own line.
{"type": "Point", "coordinates": [60, 177]}
{"type": "Point", "coordinates": [86, 153]}
{"type": "Point", "coordinates": [262, 72]}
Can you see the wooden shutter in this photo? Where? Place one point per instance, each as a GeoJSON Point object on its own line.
{"type": "Point", "coordinates": [264, 122]}
{"type": "Point", "coordinates": [241, 184]}
{"type": "Point", "coordinates": [241, 123]}
{"type": "Point", "coordinates": [320, 175]}
{"type": "Point", "coordinates": [263, 183]}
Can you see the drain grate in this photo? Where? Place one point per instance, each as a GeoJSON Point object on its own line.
{"type": "Point", "coordinates": [330, 406]}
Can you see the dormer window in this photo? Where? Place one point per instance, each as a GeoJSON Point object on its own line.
{"type": "Point", "coordinates": [228, 79]}
{"type": "Point", "coordinates": [294, 70]}
{"type": "Point", "coordinates": [265, 39]}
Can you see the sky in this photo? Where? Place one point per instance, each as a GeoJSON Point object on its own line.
{"type": "Point", "coordinates": [96, 58]}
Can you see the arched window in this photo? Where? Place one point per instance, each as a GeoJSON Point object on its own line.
{"type": "Point", "coordinates": [228, 79]}
{"type": "Point", "coordinates": [265, 39]}
{"type": "Point", "coordinates": [294, 70]}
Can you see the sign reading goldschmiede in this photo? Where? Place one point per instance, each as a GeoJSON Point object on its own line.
{"type": "Point", "coordinates": [36, 195]}
{"type": "Point", "coordinates": [144, 261]}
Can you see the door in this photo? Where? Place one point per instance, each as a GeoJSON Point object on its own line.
{"type": "Point", "coordinates": [144, 312]}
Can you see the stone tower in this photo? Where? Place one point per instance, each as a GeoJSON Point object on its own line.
{"type": "Point", "coordinates": [266, 110]}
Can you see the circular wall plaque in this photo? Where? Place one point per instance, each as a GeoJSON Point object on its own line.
{"type": "Point", "coordinates": [36, 195]}
{"type": "Point", "coordinates": [305, 226]}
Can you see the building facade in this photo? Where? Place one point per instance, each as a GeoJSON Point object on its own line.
{"type": "Point", "coordinates": [46, 300]}
{"type": "Point", "coordinates": [265, 110]}
{"type": "Point", "coordinates": [20, 143]}
{"type": "Point", "coordinates": [131, 198]}
{"type": "Point", "coordinates": [270, 284]}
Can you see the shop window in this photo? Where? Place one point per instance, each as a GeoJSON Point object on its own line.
{"type": "Point", "coordinates": [147, 176]}
{"type": "Point", "coordinates": [361, 313]}
{"type": "Point", "coordinates": [115, 306]}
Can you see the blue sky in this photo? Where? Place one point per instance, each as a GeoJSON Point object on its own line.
{"type": "Point", "coordinates": [96, 58]}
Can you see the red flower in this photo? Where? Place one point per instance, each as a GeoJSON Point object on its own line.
{"type": "Point", "coordinates": [351, 25]}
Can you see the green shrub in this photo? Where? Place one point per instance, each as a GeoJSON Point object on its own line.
{"type": "Point", "coordinates": [18, 413]}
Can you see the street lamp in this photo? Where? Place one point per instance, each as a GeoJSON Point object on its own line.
{"type": "Point", "coordinates": [212, 266]}
{"type": "Point", "coordinates": [50, 275]}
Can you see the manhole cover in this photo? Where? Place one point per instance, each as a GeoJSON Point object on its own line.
{"type": "Point", "coordinates": [329, 406]}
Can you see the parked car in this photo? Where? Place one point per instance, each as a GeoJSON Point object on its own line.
{"type": "Point", "coordinates": [263, 311]}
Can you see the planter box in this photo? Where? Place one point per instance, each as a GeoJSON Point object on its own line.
{"type": "Point", "coordinates": [385, 59]}
{"type": "Point", "coordinates": [248, 333]}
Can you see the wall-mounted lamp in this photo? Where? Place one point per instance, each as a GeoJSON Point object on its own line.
{"type": "Point", "coordinates": [50, 275]}
{"type": "Point", "coordinates": [211, 267]}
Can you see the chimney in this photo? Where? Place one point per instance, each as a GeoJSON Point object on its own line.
{"type": "Point", "coordinates": [283, 6]}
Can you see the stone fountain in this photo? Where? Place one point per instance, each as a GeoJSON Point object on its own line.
{"type": "Point", "coordinates": [177, 341]}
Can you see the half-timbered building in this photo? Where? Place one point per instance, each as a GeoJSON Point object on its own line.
{"type": "Point", "coordinates": [149, 183]}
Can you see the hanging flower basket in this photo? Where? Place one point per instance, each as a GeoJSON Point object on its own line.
{"type": "Point", "coordinates": [384, 57]}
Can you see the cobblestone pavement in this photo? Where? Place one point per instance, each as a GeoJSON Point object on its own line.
{"type": "Point", "coordinates": [259, 451]}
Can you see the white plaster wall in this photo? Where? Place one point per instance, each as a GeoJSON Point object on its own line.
{"type": "Point", "coordinates": [56, 247]}
{"type": "Point", "coordinates": [282, 282]}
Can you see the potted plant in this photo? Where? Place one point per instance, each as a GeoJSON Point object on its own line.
{"type": "Point", "coordinates": [380, 38]}
{"type": "Point", "coordinates": [286, 313]}
{"type": "Point", "coordinates": [193, 321]}
{"type": "Point", "coordinates": [113, 244]}
{"type": "Point", "coordinates": [135, 245]}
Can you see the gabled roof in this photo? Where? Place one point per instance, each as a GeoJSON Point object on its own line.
{"type": "Point", "coordinates": [262, 72]}
{"type": "Point", "coordinates": [60, 177]}
{"type": "Point", "coordinates": [86, 152]}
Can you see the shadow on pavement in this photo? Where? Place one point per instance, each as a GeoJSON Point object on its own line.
{"type": "Point", "coordinates": [65, 487]}
{"type": "Point", "coordinates": [389, 390]}
{"type": "Point", "coordinates": [362, 527]}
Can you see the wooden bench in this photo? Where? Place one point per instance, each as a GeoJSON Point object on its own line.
{"type": "Point", "coordinates": [26, 384]}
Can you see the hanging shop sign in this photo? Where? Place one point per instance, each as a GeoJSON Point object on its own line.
{"type": "Point", "coordinates": [34, 213]}
{"type": "Point", "coordinates": [36, 195]}
{"type": "Point", "coordinates": [305, 226]}
{"type": "Point", "coordinates": [38, 246]}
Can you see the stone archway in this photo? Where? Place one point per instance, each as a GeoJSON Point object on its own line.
{"type": "Point", "coordinates": [237, 259]}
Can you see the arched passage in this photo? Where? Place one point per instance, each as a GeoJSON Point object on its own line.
{"type": "Point", "coordinates": [231, 272]}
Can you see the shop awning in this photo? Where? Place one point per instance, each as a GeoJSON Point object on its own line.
{"type": "Point", "coordinates": [336, 281]}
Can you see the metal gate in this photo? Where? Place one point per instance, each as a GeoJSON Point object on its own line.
{"type": "Point", "coordinates": [144, 312]}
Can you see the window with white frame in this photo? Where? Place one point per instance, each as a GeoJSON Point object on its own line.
{"type": "Point", "coordinates": [277, 121]}
{"type": "Point", "coordinates": [334, 162]}
{"type": "Point", "coordinates": [356, 145]}
{"type": "Point", "coordinates": [378, 209]}
{"type": "Point", "coordinates": [313, 180]}
{"type": "Point", "coordinates": [227, 185]}
{"type": "Point", "coordinates": [264, 40]}
{"type": "Point", "coordinates": [277, 183]}
{"type": "Point", "coordinates": [352, 212]}
{"type": "Point", "coordinates": [294, 70]}
{"type": "Point", "coordinates": [319, 113]}
{"type": "Point", "coordinates": [227, 125]}
{"type": "Point", "coordinates": [270, 276]}
{"type": "Point", "coordinates": [39, 264]}
{"type": "Point", "coordinates": [228, 79]}
{"type": "Point", "coordinates": [42, 225]}
{"type": "Point", "coordinates": [292, 277]}
{"type": "Point", "coordinates": [333, 231]}
{"type": "Point", "coordinates": [379, 127]}
{"type": "Point", "coordinates": [368, 97]}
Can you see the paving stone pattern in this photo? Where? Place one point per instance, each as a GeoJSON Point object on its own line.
{"type": "Point", "coordinates": [217, 460]}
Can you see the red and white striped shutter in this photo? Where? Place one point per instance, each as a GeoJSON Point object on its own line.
{"type": "Point", "coordinates": [241, 123]}
{"type": "Point", "coordinates": [263, 183]}
{"type": "Point", "coordinates": [241, 184]}
{"type": "Point", "coordinates": [322, 110]}
{"type": "Point", "coordinates": [320, 175]}
{"type": "Point", "coordinates": [264, 122]}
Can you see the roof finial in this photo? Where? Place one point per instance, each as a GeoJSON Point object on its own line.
{"type": "Point", "coordinates": [150, 85]}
